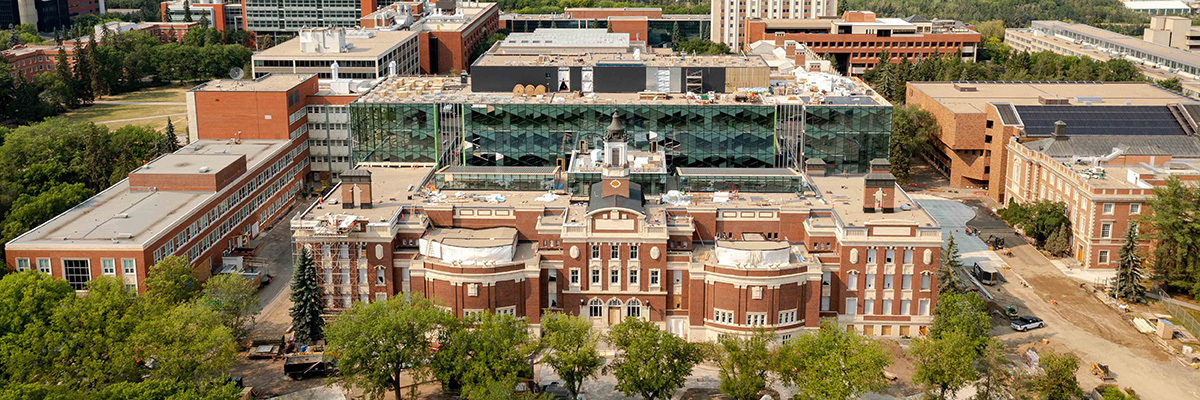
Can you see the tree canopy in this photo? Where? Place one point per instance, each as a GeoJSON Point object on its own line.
{"type": "Point", "coordinates": [570, 343]}
{"type": "Point", "coordinates": [490, 347]}
{"type": "Point", "coordinates": [832, 363]}
{"type": "Point", "coordinates": [649, 361]}
{"type": "Point", "coordinates": [1038, 220]}
{"type": "Point", "coordinates": [744, 363]}
{"type": "Point", "coordinates": [1173, 228]}
{"type": "Point", "coordinates": [379, 342]}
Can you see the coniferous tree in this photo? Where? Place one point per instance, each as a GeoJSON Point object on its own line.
{"type": "Point", "coordinates": [675, 39]}
{"type": "Point", "coordinates": [170, 142]}
{"type": "Point", "coordinates": [1059, 242]}
{"type": "Point", "coordinates": [204, 21]}
{"type": "Point", "coordinates": [306, 301]}
{"type": "Point", "coordinates": [83, 75]}
{"type": "Point", "coordinates": [166, 17]}
{"type": "Point", "coordinates": [63, 68]}
{"type": "Point", "coordinates": [947, 273]}
{"type": "Point", "coordinates": [1127, 285]}
{"type": "Point", "coordinates": [14, 38]}
{"type": "Point", "coordinates": [187, 11]}
{"type": "Point", "coordinates": [99, 85]}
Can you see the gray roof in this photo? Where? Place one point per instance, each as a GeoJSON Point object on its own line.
{"type": "Point", "coordinates": [636, 201]}
{"type": "Point", "coordinates": [916, 18]}
{"type": "Point", "coordinates": [472, 169]}
{"type": "Point", "coordinates": [700, 171]}
{"type": "Point", "coordinates": [1099, 145]}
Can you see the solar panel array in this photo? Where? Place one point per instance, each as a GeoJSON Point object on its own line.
{"type": "Point", "coordinates": [1100, 120]}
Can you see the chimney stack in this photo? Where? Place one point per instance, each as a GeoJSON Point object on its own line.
{"type": "Point", "coordinates": [356, 189]}
{"type": "Point", "coordinates": [814, 167]}
{"type": "Point", "coordinates": [879, 188]}
{"type": "Point", "coordinates": [1060, 130]}
{"type": "Point", "coordinates": [779, 38]}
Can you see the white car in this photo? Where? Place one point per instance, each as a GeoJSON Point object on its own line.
{"type": "Point", "coordinates": [1027, 323]}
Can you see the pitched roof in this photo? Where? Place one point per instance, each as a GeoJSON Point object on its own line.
{"type": "Point", "coordinates": [1099, 145]}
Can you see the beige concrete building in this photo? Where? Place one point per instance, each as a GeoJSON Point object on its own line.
{"type": "Point", "coordinates": [729, 17]}
{"type": "Point", "coordinates": [1173, 31]}
{"type": "Point", "coordinates": [359, 54]}
{"type": "Point", "coordinates": [971, 146]}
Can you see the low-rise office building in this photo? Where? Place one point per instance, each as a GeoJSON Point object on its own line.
{"type": "Point", "coordinates": [971, 146]}
{"type": "Point", "coordinates": [358, 54]}
{"type": "Point", "coordinates": [449, 34]}
{"type": "Point", "coordinates": [648, 25]}
{"type": "Point", "coordinates": [857, 39]}
{"type": "Point", "coordinates": [1174, 31]}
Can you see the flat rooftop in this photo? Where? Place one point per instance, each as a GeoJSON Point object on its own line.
{"type": "Point", "coordinates": [120, 219]}
{"type": "Point", "coordinates": [591, 60]}
{"type": "Point", "coordinates": [465, 15]}
{"type": "Point", "coordinates": [266, 83]}
{"type": "Point", "coordinates": [379, 43]}
{"type": "Point", "coordinates": [1127, 42]}
{"type": "Point", "coordinates": [547, 38]}
{"type": "Point", "coordinates": [976, 99]}
{"type": "Point", "coordinates": [425, 90]}
{"type": "Point", "coordinates": [845, 195]}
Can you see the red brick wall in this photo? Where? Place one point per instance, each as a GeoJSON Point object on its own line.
{"type": "Point", "coordinates": [227, 113]}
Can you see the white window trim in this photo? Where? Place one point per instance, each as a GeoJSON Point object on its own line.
{"type": "Point", "coordinates": [655, 278]}
{"type": "Point", "coordinates": [27, 266]}
{"type": "Point", "coordinates": [112, 262]}
{"type": "Point", "coordinates": [574, 277]}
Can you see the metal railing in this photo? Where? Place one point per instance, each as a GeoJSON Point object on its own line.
{"type": "Point", "coordinates": [1182, 315]}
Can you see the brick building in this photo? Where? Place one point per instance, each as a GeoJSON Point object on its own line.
{"type": "Point", "coordinates": [735, 250]}
{"type": "Point", "coordinates": [1105, 180]}
{"type": "Point", "coordinates": [201, 202]}
{"type": "Point", "coordinates": [856, 40]}
{"type": "Point", "coordinates": [730, 17]}
{"type": "Point", "coordinates": [449, 37]}
{"type": "Point", "coordinates": [644, 25]}
{"type": "Point", "coordinates": [28, 61]}
{"type": "Point", "coordinates": [971, 148]}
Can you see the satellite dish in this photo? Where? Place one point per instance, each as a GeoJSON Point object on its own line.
{"type": "Point", "coordinates": [236, 73]}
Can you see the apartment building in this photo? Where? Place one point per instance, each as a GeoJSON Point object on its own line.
{"type": "Point", "coordinates": [1105, 181]}
{"type": "Point", "coordinates": [971, 146]}
{"type": "Point", "coordinates": [287, 17]}
{"type": "Point", "coordinates": [28, 61]}
{"type": "Point", "coordinates": [648, 25]}
{"type": "Point", "coordinates": [729, 17]}
{"type": "Point", "coordinates": [855, 41]}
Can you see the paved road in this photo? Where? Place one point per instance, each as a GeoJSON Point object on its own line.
{"type": "Point", "coordinates": [1076, 320]}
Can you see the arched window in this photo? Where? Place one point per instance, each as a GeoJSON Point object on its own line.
{"type": "Point", "coordinates": [614, 303]}
{"type": "Point", "coordinates": [633, 308]}
{"type": "Point", "coordinates": [595, 308]}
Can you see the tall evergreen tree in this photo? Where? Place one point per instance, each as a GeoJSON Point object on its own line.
{"type": "Point", "coordinates": [166, 15]}
{"type": "Point", "coordinates": [83, 74]}
{"type": "Point", "coordinates": [1059, 242]}
{"type": "Point", "coordinates": [99, 85]}
{"type": "Point", "coordinates": [187, 11]}
{"type": "Point", "coordinates": [675, 39]}
{"type": "Point", "coordinates": [306, 301]}
{"type": "Point", "coordinates": [14, 38]}
{"type": "Point", "coordinates": [1127, 285]}
{"type": "Point", "coordinates": [204, 23]}
{"type": "Point", "coordinates": [170, 142]}
{"type": "Point", "coordinates": [947, 273]}
{"type": "Point", "coordinates": [63, 68]}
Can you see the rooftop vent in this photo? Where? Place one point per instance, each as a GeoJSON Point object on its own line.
{"type": "Point", "coordinates": [204, 170]}
{"type": "Point", "coordinates": [1053, 101]}
{"type": "Point", "coordinates": [964, 87]}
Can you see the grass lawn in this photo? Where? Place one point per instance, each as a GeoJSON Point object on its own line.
{"type": "Point", "coordinates": [173, 93]}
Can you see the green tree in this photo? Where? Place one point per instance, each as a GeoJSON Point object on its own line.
{"type": "Point", "coordinates": [571, 345]}
{"type": "Point", "coordinates": [946, 359]}
{"type": "Point", "coordinates": [1127, 286]}
{"type": "Point", "coordinates": [702, 46]}
{"type": "Point", "coordinates": [377, 344]}
{"type": "Point", "coordinates": [744, 363]}
{"type": "Point", "coordinates": [188, 343]}
{"type": "Point", "coordinates": [306, 301]}
{"type": "Point", "coordinates": [1175, 234]}
{"type": "Point", "coordinates": [1170, 84]}
{"type": "Point", "coordinates": [491, 347]}
{"type": "Point", "coordinates": [171, 281]}
{"type": "Point", "coordinates": [947, 273]}
{"type": "Point", "coordinates": [170, 141]}
{"type": "Point", "coordinates": [676, 38]}
{"type": "Point", "coordinates": [83, 73]}
{"type": "Point", "coordinates": [832, 363]}
{"type": "Point", "coordinates": [62, 67]}
{"type": "Point", "coordinates": [204, 23]}
{"type": "Point", "coordinates": [913, 129]}
{"type": "Point", "coordinates": [95, 73]}
{"type": "Point", "coordinates": [187, 11]}
{"type": "Point", "coordinates": [234, 299]}
{"type": "Point", "coordinates": [944, 365]}
{"type": "Point", "coordinates": [29, 297]}
{"type": "Point", "coordinates": [1059, 242]}
{"type": "Point", "coordinates": [995, 373]}
{"type": "Point", "coordinates": [649, 362]}
{"type": "Point", "coordinates": [1057, 380]}
{"type": "Point", "coordinates": [29, 211]}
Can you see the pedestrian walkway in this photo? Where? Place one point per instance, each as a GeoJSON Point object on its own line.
{"type": "Point", "coordinates": [952, 216]}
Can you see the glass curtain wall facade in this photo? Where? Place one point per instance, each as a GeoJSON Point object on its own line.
{"type": "Point", "coordinates": [453, 180]}
{"type": "Point", "coordinates": [846, 138]}
{"type": "Point", "coordinates": [401, 133]}
{"type": "Point", "coordinates": [748, 183]}
{"type": "Point", "coordinates": [729, 136]}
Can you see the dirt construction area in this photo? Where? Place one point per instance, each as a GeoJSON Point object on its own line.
{"type": "Point", "coordinates": [1076, 320]}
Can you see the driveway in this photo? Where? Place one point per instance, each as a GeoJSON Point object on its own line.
{"type": "Point", "coordinates": [1076, 321]}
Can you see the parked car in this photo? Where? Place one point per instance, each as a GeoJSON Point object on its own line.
{"type": "Point", "coordinates": [1027, 323]}
{"type": "Point", "coordinates": [1010, 312]}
